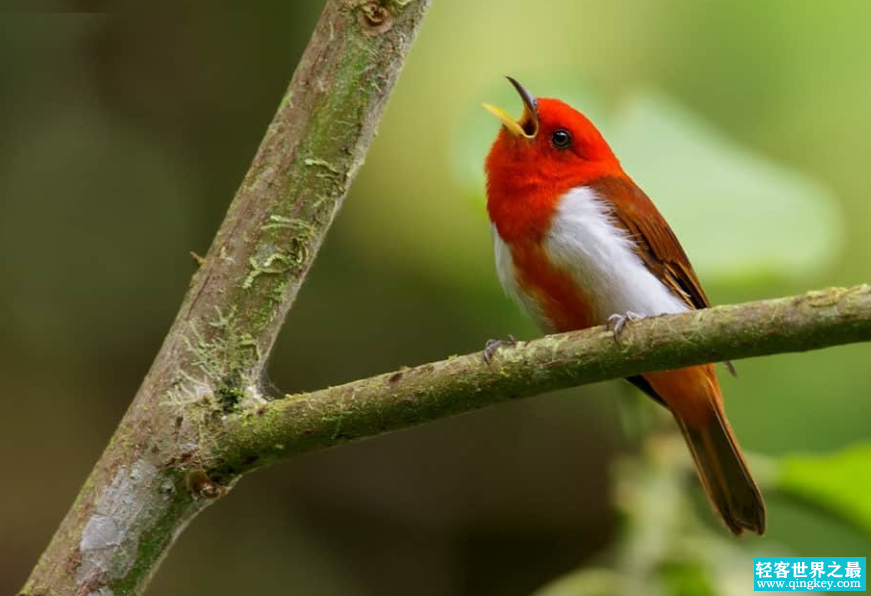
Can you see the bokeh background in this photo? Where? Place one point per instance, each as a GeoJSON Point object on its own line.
{"type": "Point", "coordinates": [125, 134]}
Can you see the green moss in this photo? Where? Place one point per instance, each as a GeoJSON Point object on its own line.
{"type": "Point", "coordinates": [281, 222]}
{"type": "Point", "coordinates": [230, 392]}
{"type": "Point", "coordinates": [224, 355]}
{"type": "Point", "coordinates": [323, 164]}
{"type": "Point", "coordinates": [274, 264]}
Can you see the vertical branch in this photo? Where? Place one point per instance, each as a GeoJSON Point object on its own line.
{"type": "Point", "coordinates": [149, 482]}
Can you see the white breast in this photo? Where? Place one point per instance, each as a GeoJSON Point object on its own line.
{"type": "Point", "coordinates": [584, 242]}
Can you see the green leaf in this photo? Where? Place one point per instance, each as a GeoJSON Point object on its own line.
{"type": "Point", "coordinates": [687, 578]}
{"type": "Point", "coordinates": [839, 483]}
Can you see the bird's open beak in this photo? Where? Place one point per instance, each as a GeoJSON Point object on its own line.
{"type": "Point", "coordinates": [527, 126]}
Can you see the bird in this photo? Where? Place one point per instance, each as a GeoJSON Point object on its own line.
{"type": "Point", "coordinates": [578, 244]}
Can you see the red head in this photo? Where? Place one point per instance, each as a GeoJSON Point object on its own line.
{"type": "Point", "coordinates": [535, 160]}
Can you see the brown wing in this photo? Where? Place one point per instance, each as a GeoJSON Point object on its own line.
{"type": "Point", "coordinates": [656, 244]}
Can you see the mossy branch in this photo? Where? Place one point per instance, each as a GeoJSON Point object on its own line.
{"type": "Point", "coordinates": [150, 482]}
{"type": "Point", "coordinates": [392, 401]}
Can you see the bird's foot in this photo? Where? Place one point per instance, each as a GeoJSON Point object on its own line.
{"type": "Point", "coordinates": [493, 345]}
{"type": "Point", "coordinates": [617, 322]}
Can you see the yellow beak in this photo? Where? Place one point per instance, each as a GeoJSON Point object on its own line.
{"type": "Point", "coordinates": [527, 126]}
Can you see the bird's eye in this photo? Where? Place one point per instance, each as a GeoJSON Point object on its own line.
{"type": "Point", "coordinates": [561, 139]}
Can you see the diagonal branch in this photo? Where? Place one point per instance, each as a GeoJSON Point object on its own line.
{"type": "Point", "coordinates": [149, 482]}
{"type": "Point", "coordinates": [392, 401]}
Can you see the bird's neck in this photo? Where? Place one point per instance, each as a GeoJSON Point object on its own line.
{"type": "Point", "coordinates": [522, 206]}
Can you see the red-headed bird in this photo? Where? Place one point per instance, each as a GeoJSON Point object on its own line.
{"type": "Point", "coordinates": [578, 244]}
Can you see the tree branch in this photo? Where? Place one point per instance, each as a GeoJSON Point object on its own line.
{"type": "Point", "coordinates": [149, 482]}
{"type": "Point", "coordinates": [392, 401]}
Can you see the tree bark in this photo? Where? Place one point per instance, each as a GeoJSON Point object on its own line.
{"type": "Point", "coordinates": [150, 480]}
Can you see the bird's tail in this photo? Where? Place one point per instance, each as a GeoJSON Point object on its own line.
{"type": "Point", "coordinates": [693, 396]}
{"type": "Point", "coordinates": [724, 473]}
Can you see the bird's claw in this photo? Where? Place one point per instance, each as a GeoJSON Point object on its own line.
{"type": "Point", "coordinates": [617, 322]}
{"type": "Point", "coordinates": [493, 345]}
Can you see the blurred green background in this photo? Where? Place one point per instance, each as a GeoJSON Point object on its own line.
{"type": "Point", "coordinates": [125, 136]}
